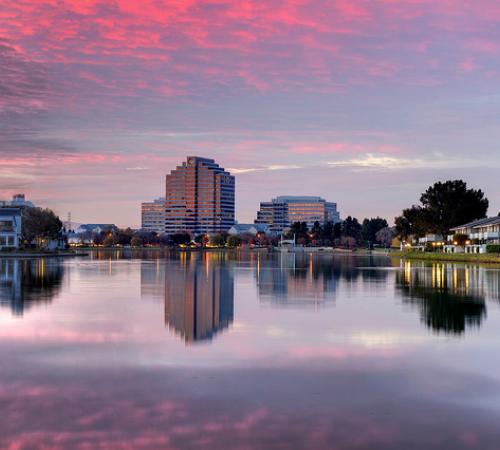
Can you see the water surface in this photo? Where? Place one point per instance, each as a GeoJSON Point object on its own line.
{"type": "Point", "coordinates": [248, 350]}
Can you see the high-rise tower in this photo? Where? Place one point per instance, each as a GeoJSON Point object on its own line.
{"type": "Point", "coordinates": [199, 198]}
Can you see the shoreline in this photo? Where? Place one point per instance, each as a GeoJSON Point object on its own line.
{"type": "Point", "coordinates": [485, 258]}
{"type": "Point", "coordinates": [27, 255]}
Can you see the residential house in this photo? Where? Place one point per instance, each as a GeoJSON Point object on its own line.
{"type": "Point", "coordinates": [480, 233]}
{"type": "Point", "coordinates": [10, 227]}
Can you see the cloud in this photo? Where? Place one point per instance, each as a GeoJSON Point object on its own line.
{"type": "Point", "coordinates": [271, 167]}
{"type": "Point", "coordinates": [373, 161]}
{"type": "Point", "coordinates": [23, 81]}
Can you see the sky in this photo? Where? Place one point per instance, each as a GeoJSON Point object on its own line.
{"type": "Point", "coordinates": [364, 102]}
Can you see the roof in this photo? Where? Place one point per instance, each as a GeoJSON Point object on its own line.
{"type": "Point", "coordinates": [299, 199]}
{"type": "Point", "coordinates": [479, 223]}
{"type": "Point", "coordinates": [10, 212]}
{"type": "Point", "coordinates": [93, 226]}
{"type": "Point", "coordinates": [244, 227]}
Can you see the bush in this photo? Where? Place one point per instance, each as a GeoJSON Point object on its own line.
{"type": "Point", "coordinates": [493, 248]}
{"type": "Point", "coordinates": [136, 241]}
{"type": "Point", "coordinates": [233, 241]}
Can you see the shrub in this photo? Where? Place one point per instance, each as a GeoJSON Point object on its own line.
{"type": "Point", "coordinates": [233, 241]}
{"type": "Point", "coordinates": [493, 248]}
{"type": "Point", "coordinates": [136, 241]}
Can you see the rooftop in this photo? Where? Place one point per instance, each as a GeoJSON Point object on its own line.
{"type": "Point", "coordinates": [299, 198]}
{"type": "Point", "coordinates": [479, 223]}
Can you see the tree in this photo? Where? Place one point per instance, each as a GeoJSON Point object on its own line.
{"type": "Point", "coordinates": [40, 224]}
{"type": "Point", "coordinates": [351, 228]}
{"type": "Point", "coordinates": [109, 240]}
{"type": "Point", "coordinates": [337, 231]}
{"type": "Point", "coordinates": [217, 240]}
{"type": "Point", "coordinates": [413, 221]}
{"type": "Point", "coordinates": [371, 227]}
{"type": "Point", "coordinates": [385, 236]}
{"type": "Point", "coordinates": [450, 204]}
{"type": "Point", "coordinates": [124, 236]}
{"type": "Point", "coordinates": [181, 238]}
{"type": "Point", "coordinates": [136, 241]}
{"type": "Point", "coordinates": [233, 241]}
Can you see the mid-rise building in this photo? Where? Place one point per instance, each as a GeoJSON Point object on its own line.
{"type": "Point", "coordinates": [153, 216]}
{"type": "Point", "coordinates": [199, 198]}
{"type": "Point", "coordinates": [281, 212]}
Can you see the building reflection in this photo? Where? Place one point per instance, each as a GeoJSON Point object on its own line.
{"type": "Point", "coordinates": [25, 283]}
{"type": "Point", "coordinates": [306, 280]}
{"type": "Point", "coordinates": [451, 297]}
{"type": "Point", "coordinates": [199, 295]}
{"type": "Point", "coordinates": [296, 280]}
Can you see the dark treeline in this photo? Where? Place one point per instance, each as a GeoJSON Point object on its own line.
{"type": "Point", "coordinates": [349, 234]}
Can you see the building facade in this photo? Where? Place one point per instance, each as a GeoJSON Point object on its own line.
{"type": "Point", "coordinates": [199, 198]}
{"type": "Point", "coordinates": [281, 212]}
{"type": "Point", "coordinates": [10, 227]}
{"type": "Point", "coordinates": [480, 233]}
{"type": "Point", "coordinates": [153, 216]}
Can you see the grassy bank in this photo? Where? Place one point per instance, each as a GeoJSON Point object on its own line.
{"type": "Point", "coordinates": [490, 258]}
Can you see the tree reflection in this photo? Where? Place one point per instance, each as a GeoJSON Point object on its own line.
{"type": "Point", "coordinates": [199, 295]}
{"type": "Point", "coordinates": [448, 295]}
{"type": "Point", "coordinates": [24, 283]}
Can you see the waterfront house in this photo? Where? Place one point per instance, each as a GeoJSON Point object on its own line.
{"type": "Point", "coordinates": [10, 227]}
{"type": "Point", "coordinates": [479, 234]}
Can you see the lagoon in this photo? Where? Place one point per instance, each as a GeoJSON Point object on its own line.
{"type": "Point", "coordinates": [151, 349]}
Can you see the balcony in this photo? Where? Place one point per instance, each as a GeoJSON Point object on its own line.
{"type": "Point", "coordinates": [486, 236]}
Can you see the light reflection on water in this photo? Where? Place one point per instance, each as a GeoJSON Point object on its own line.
{"type": "Point", "coordinates": [147, 349]}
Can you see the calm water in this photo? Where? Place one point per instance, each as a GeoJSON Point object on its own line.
{"type": "Point", "coordinates": [200, 351]}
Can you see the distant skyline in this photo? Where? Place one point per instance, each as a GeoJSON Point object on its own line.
{"type": "Point", "coordinates": [365, 103]}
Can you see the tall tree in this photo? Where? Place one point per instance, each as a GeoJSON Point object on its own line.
{"type": "Point", "coordinates": [450, 204]}
{"type": "Point", "coordinates": [413, 221]}
{"type": "Point", "coordinates": [371, 227]}
{"type": "Point", "coordinates": [351, 228]}
{"type": "Point", "coordinates": [443, 206]}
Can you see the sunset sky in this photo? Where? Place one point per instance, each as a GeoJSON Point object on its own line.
{"type": "Point", "coordinates": [364, 102]}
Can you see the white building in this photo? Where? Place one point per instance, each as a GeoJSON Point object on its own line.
{"type": "Point", "coordinates": [153, 216]}
{"type": "Point", "coordinates": [10, 227]}
{"type": "Point", "coordinates": [250, 228]}
{"type": "Point", "coordinates": [479, 234]}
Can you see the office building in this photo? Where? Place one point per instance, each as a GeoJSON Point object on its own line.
{"type": "Point", "coordinates": [153, 216]}
{"type": "Point", "coordinates": [280, 213]}
{"type": "Point", "coordinates": [199, 198]}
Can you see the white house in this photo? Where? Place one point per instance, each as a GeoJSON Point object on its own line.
{"type": "Point", "coordinates": [479, 233]}
{"type": "Point", "coordinates": [251, 228]}
{"type": "Point", "coordinates": [10, 227]}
